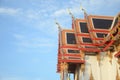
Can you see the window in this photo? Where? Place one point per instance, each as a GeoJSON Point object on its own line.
{"type": "Point", "coordinates": [87, 40]}
{"type": "Point", "coordinates": [102, 23]}
{"type": "Point", "coordinates": [73, 51]}
{"type": "Point", "coordinates": [83, 27]}
{"type": "Point", "coordinates": [71, 38]}
{"type": "Point", "coordinates": [101, 35]}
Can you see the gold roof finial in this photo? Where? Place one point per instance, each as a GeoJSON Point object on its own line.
{"type": "Point", "coordinates": [70, 13]}
{"type": "Point", "coordinates": [81, 8]}
{"type": "Point", "coordinates": [85, 13]}
{"type": "Point", "coordinates": [59, 27]}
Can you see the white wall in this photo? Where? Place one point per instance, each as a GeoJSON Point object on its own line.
{"type": "Point", "coordinates": [106, 70]}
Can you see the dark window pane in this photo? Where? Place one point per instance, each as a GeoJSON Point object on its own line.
{"type": "Point", "coordinates": [102, 23]}
{"type": "Point", "coordinates": [87, 40]}
{"type": "Point", "coordinates": [83, 27]}
{"type": "Point", "coordinates": [71, 38]}
{"type": "Point", "coordinates": [73, 51]}
{"type": "Point", "coordinates": [101, 35]}
{"type": "Point", "coordinates": [89, 47]}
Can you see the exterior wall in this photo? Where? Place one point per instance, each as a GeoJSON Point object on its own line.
{"type": "Point", "coordinates": [105, 70]}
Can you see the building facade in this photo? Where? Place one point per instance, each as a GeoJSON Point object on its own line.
{"type": "Point", "coordinates": [90, 50]}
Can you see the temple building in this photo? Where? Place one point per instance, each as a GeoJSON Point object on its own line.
{"type": "Point", "coordinates": [90, 50]}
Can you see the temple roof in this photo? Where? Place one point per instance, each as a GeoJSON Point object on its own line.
{"type": "Point", "coordinates": [88, 36]}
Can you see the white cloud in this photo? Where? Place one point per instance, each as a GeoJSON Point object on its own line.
{"type": "Point", "coordinates": [9, 11]}
{"type": "Point", "coordinates": [64, 13]}
{"type": "Point", "coordinates": [32, 42]}
{"type": "Point", "coordinates": [20, 13]}
{"type": "Point", "coordinates": [60, 12]}
{"type": "Point", "coordinates": [31, 16]}
{"type": "Point", "coordinates": [101, 7]}
{"type": "Point", "coordinates": [18, 36]}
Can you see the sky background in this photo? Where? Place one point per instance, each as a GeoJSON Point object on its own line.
{"type": "Point", "coordinates": [29, 36]}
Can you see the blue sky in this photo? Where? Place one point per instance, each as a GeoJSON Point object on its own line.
{"type": "Point", "coordinates": [29, 36]}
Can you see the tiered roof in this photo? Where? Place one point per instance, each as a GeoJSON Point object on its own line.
{"type": "Point", "coordinates": [88, 36]}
